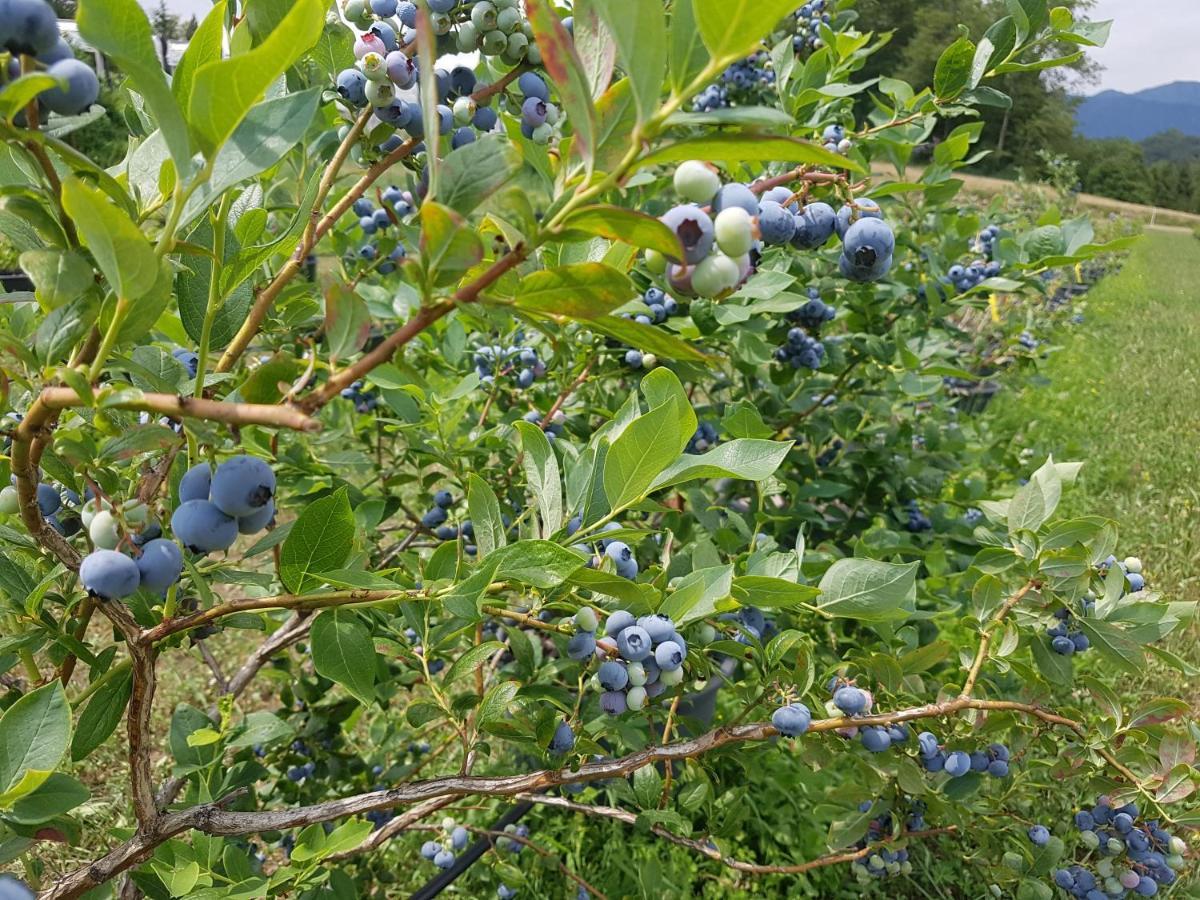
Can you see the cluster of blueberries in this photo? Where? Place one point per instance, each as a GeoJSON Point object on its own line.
{"type": "Point", "coordinates": [808, 18]}
{"type": "Point", "coordinates": [189, 359]}
{"type": "Point", "coordinates": [745, 83]}
{"type": "Point", "coordinates": [884, 862]}
{"type": "Point", "coordinates": [801, 349]}
{"type": "Point", "coordinates": [834, 140]}
{"type": "Point", "coordinates": [618, 552]}
{"type": "Point", "coordinates": [30, 28]}
{"type": "Point", "coordinates": [660, 306]}
{"type": "Point", "coordinates": [917, 520]}
{"type": "Point", "coordinates": [642, 657]}
{"type": "Point", "coordinates": [437, 515]}
{"type": "Point", "coordinates": [522, 363]}
{"type": "Point", "coordinates": [554, 428]}
{"type": "Point", "coordinates": [849, 700]}
{"type": "Point", "coordinates": [364, 401]}
{"type": "Point", "coordinates": [703, 440]}
{"type": "Point", "coordinates": [722, 224]}
{"type": "Point", "coordinates": [964, 278]}
{"type": "Point", "coordinates": [59, 506]}
{"type": "Point", "coordinates": [1153, 856]}
{"type": "Point", "coordinates": [215, 507]}
{"type": "Point", "coordinates": [1131, 566]}
{"type": "Point", "coordinates": [441, 853]}
{"type": "Point", "coordinates": [373, 220]}
{"type": "Point", "coordinates": [985, 241]}
{"type": "Point", "coordinates": [1065, 638]}
{"type": "Point", "coordinates": [993, 761]}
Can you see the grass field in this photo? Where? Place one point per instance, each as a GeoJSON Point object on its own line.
{"type": "Point", "coordinates": [1123, 396]}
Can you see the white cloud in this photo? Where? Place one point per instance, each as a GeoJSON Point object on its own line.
{"type": "Point", "coordinates": [1153, 42]}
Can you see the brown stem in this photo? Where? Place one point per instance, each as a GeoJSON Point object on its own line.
{"type": "Point", "coordinates": [180, 407]}
{"type": "Point", "coordinates": [832, 859]}
{"type": "Point", "coordinates": [214, 666]}
{"type": "Point", "coordinates": [985, 641]}
{"type": "Point", "coordinates": [529, 621]}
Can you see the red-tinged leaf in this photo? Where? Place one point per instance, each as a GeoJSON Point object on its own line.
{"type": "Point", "coordinates": [1159, 710]}
{"type": "Point", "coordinates": [1179, 783]}
{"type": "Point", "coordinates": [1175, 749]}
{"type": "Point", "coordinates": [563, 66]}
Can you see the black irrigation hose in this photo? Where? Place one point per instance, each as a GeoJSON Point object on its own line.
{"type": "Point", "coordinates": [468, 857]}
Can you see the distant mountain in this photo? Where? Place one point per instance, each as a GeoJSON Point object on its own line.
{"type": "Point", "coordinates": [1113, 114]}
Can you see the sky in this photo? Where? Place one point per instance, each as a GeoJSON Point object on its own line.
{"type": "Point", "coordinates": [1153, 41]}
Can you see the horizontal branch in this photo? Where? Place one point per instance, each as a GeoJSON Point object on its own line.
{"type": "Point", "coordinates": [709, 850]}
{"type": "Point", "coordinates": [180, 407]}
{"type": "Point", "coordinates": [282, 601]}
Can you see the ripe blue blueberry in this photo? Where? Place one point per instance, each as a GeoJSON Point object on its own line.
{"type": "Point", "coordinates": [613, 702]}
{"type": "Point", "coordinates": [622, 555]}
{"type": "Point", "coordinates": [867, 241]}
{"type": "Point", "coordinates": [633, 643]}
{"type": "Point", "coordinates": [444, 859]}
{"type": "Point", "coordinates": [658, 626]}
{"type": "Point", "coordinates": [258, 520]}
{"type": "Point", "coordinates": [734, 194]}
{"type": "Point", "coordinates": [242, 485]}
{"type": "Point", "coordinates": [459, 838]}
{"type": "Point", "coordinates": [1136, 581]}
{"type": "Point", "coordinates": [203, 527]}
{"type": "Point", "coordinates": [160, 564]}
{"type": "Point", "coordinates": [444, 499]}
{"type": "Point", "coordinates": [109, 575]}
{"type": "Point", "coordinates": [669, 656]}
{"type": "Point", "coordinates": [694, 229]}
{"type": "Point", "coordinates": [1039, 835]}
{"type": "Point", "coordinates": [14, 889]}
{"type": "Point", "coordinates": [31, 26]}
{"type": "Point", "coordinates": [82, 88]}
{"type": "Point", "coordinates": [850, 700]}
{"type": "Point", "coordinates": [48, 499]}
{"type": "Point", "coordinates": [531, 84]}
{"type": "Point", "coordinates": [434, 517]}
{"type": "Point", "coordinates": [876, 739]}
{"type": "Point", "coordinates": [384, 8]}
{"type": "Point", "coordinates": [430, 849]}
{"type": "Point", "coordinates": [775, 224]}
{"type": "Point", "coordinates": [814, 226]}
{"type": "Point", "coordinates": [1063, 645]}
{"type": "Point", "coordinates": [864, 273]}
{"type": "Point", "coordinates": [581, 645]}
{"type": "Point", "coordinates": [612, 675]}
{"type": "Point", "coordinates": [352, 86]}
{"type": "Point", "coordinates": [927, 743]}
{"type": "Point", "coordinates": [958, 764]}
{"type": "Point", "coordinates": [617, 621]}
{"type": "Point", "coordinates": [792, 720]}
{"type": "Point", "coordinates": [562, 742]}
{"type": "Point", "coordinates": [856, 211]}
{"type": "Point", "coordinates": [998, 768]}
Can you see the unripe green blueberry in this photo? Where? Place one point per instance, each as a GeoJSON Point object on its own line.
{"type": "Point", "coordinates": [706, 633]}
{"type": "Point", "coordinates": [656, 263]}
{"type": "Point", "coordinates": [483, 15]}
{"type": "Point", "coordinates": [464, 110]}
{"type": "Point", "coordinates": [1178, 846]}
{"type": "Point", "coordinates": [551, 113]}
{"type": "Point", "coordinates": [135, 512]}
{"type": "Point", "coordinates": [448, 823]}
{"type": "Point", "coordinates": [508, 19]}
{"type": "Point", "coordinates": [1115, 846]}
{"type": "Point", "coordinates": [1089, 839]}
{"type": "Point", "coordinates": [715, 275]}
{"type": "Point", "coordinates": [586, 619]}
{"type": "Point", "coordinates": [507, 4]}
{"type": "Point", "coordinates": [734, 231]}
{"type": "Point", "coordinates": [373, 66]}
{"type": "Point", "coordinates": [1104, 868]}
{"type": "Point", "coordinates": [649, 360]}
{"type": "Point", "coordinates": [1113, 887]}
{"type": "Point", "coordinates": [356, 11]}
{"type": "Point", "coordinates": [635, 697]}
{"type": "Point", "coordinates": [906, 868]}
{"type": "Point", "coordinates": [9, 502]}
{"type": "Point", "coordinates": [467, 38]}
{"type": "Point", "coordinates": [1133, 565]}
{"type": "Point", "coordinates": [1014, 861]}
{"type": "Point", "coordinates": [672, 677]}
{"type": "Point", "coordinates": [543, 133]}
{"type": "Point", "coordinates": [637, 674]}
{"type": "Point", "coordinates": [380, 93]}
{"type": "Point", "coordinates": [516, 48]}
{"type": "Point", "coordinates": [893, 868]}
{"type": "Point", "coordinates": [696, 181]}
{"type": "Point", "coordinates": [875, 861]}
{"type": "Point", "coordinates": [88, 511]}
{"type": "Point", "coordinates": [494, 43]}
{"type": "Point", "coordinates": [441, 22]}
{"type": "Point", "coordinates": [1175, 861]}
{"type": "Point", "coordinates": [533, 54]}
{"type": "Point", "coordinates": [103, 530]}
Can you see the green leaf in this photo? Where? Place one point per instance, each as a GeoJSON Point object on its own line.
{"type": "Point", "coordinates": [137, 440]}
{"type": "Point", "coordinates": [562, 64]}
{"type": "Point", "coordinates": [747, 459]}
{"type": "Point", "coordinates": [34, 734]}
{"type": "Point", "coordinates": [342, 651]}
{"type": "Point", "coordinates": [773, 593]}
{"type": "Point", "coordinates": [58, 795]}
{"type": "Point", "coordinates": [102, 715]}
{"type": "Point", "coordinates": [471, 660]}
{"type": "Point", "coordinates": [733, 30]}
{"type": "Point", "coordinates": [495, 707]}
{"type": "Point", "coordinates": [449, 246]}
{"type": "Point", "coordinates": [582, 291]}
{"type": "Point", "coordinates": [20, 92]}
{"type": "Point", "coordinates": [484, 509]}
{"type": "Point", "coordinates": [542, 475]}
{"type": "Point", "coordinates": [867, 589]}
{"type": "Point", "coordinates": [648, 339]}
{"type": "Point", "coordinates": [248, 260]}
{"type": "Point", "coordinates": [118, 246]}
{"type": "Point", "coordinates": [627, 225]}
{"type": "Point", "coordinates": [953, 70]}
{"type": "Point", "coordinates": [204, 46]}
{"type": "Point", "coordinates": [262, 728]}
{"type": "Point", "coordinates": [263, 138]}
{"type": "Point", "coordinates": [58, 333]}
{"type": "Point", "coordinates": [1045, 857]}
{"type": "Point", "coordinates": [541, 564]}
{"type": "Point", "coordinates": [686, 52]}
{"type": "Point", "coordinates": [739, 148]}
{"type": "Point", "coordinates": [640, 32]}
{"type": "Point", "coordinates": [320, 541]}
{"type": "Point", "coordinates": [640, 454]}
{"type": "Point", "coordinates": [744, 116]}
{"type": "Point", "coordinates": [224, 91]}
{"type": "Point", "coordinates": [120, 30]}
{"type": "Point", "coordinates": [697, 594]}
{"type": "Point", "coordinates": [647, 787]}
{"type": "Point", "coordinates": [59, 276]}
{"type": "Point", "coordinates": [347, 321]}
{"type": "Point", "coordinates": [1114, 645]}
{"type": "Point", "coordinates": [472, 173]}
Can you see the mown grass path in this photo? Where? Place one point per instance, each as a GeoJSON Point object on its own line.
{"type": "Point", "coordinates": [1123, 396]}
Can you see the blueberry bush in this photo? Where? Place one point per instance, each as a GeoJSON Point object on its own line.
{"type": "Point", "coordinates": [570, 433]}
